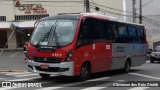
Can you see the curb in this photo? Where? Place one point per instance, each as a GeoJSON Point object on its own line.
{"type": "Point", "coordinates": [13, 70]}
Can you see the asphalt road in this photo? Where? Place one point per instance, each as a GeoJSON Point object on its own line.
{"type": "Point", "coordinates": [147, 74]}
{"type": "Point", "coordinates": [12, 60]}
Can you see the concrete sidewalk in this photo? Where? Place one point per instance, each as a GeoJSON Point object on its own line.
{"type": "Point", "coordinates": [12, 60]}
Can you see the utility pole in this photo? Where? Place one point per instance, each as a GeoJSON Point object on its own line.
{"type": "Point", "coordinates": [87, 6]}
{"type": "Point", "coordinates": [134, 10]}
{"type": "Point", "coordinates": [140, 11]}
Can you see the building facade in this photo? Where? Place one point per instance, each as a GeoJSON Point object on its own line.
{"type": "Point", "coordinates": [24, 13]}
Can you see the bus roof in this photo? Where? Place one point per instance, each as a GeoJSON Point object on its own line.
{"type": "Point", "coordinates": [109, 18]}
{"type": "Point", "coordinates": [77, 16]}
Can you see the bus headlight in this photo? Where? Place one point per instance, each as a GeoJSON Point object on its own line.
{"type": "Point", "coordinates": [69, 56]}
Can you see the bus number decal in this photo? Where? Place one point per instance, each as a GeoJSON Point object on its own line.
{"type": "Point", "coordinates": [65, 24]}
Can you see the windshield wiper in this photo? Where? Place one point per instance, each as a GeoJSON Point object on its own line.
{"type": "Point", "coordinates": [43, 38]}
{"type": "Point", "coordinates": [56, 36]}
{"type": "Point", "coordinates": [56, 40]}
{"type": "Point", "coordinates": [46, 35]}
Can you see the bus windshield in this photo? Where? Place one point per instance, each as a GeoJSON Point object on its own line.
{"type": "Point", "coordinates": [54, 32]}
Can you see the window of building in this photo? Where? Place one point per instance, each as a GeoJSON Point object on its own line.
{"type": "Point", "coordinates": [30, 17]}
{"type": "Point", "coordinates": [3, 38]}
{"type": "Point", "coordinates": [2, 18]}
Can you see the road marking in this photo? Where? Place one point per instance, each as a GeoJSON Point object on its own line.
{"type": "Point", "coordinates": [120, 80]}
{"type": "Point", "coordinates": [98, 79]}
{"type": "Point", "coordinates": [10, 73]}
{"type": "Point", "coordinates": [7, 88]}
{"type": "Point", "coordinates": [49, 88]}
{"type": "Point", "coordinates": [147, 61]}
{"type": "Point", "coordinates": [2, 78]}
{"type": "Point", "coordinates": [14, 54]}
{"type": "Point", "coordinates": [26, 75]}
{"type": "Point", "coordinates": [94, 88]}
{"type": "Point", "coordinates": [13, 71]}
{"type": "Point", "coordinates": [138, 88]}
{"type": "Point", "coordinates": [24, 79]}
{"type": "Point", "coordinates": [72, 84]}
{"type": "Point", "coordinates": [142, 75]}
{"type": "Point", "coordinates": [1, 52]}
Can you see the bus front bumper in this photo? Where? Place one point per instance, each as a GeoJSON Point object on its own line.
{"type": "Point", "coordinates": [59, 69]}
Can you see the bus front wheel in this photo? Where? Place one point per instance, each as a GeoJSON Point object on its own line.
{"type": "Point", "coordinates": [85, 72]}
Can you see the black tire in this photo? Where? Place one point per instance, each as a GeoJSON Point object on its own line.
{"type": "Point", "coordinates": [127, 67]}
{"type": "Point", "coordinates": [44, 75]}
{"type": "Point", "coordinates": [85, 72]}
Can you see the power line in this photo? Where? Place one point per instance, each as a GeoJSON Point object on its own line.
{"type": "Point", "coordinates": [110, 7]}
{"type": "Point", "coordinates": [103, 10]}
{"type": "Point", "coordinates": [151, 22]}
{"type": "Point", "coordinates": [146, 4]}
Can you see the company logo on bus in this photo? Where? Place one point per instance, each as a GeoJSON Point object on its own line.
{"type": "Point", "coordinates": [45, 59]}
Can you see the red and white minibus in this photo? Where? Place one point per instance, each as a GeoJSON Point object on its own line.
{"type": "Point", "coordinates": [85, 43]}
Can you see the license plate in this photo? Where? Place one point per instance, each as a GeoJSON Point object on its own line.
{"type": "Point", "coordinates": [44, 66]}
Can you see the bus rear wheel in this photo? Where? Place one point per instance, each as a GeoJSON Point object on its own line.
{"type": "Point", "coordinates": [44, 75]}
{"type": "Point", "coordinates": [127, 67]}
{"type": "Point", "coordinates": [85, 72]}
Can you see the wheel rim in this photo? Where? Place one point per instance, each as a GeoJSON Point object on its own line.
{"type": "Point", "coordinates": [84, 72]}
{"type": "Point", "coordinates": [128, 67]}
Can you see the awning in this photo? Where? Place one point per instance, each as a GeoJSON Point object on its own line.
{"type": "Point", "coordinates": [24, 24]}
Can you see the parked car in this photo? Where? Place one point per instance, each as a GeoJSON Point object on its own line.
{"type": "Point", "coordinates": [155, 55]}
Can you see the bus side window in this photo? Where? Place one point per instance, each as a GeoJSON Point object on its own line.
{"type": "Point", "coordinates": [132, 34]}
{"type": "Point", "coordinates": [114, 32]}
{"type": "Point", "coordinates": [84, 34]}
{"type": "Point", "coordinates": [122, 34]}
{"type": "Point", "coordinates": [108, 31]}
{"type": "Point", "coordinates": [142, 35]}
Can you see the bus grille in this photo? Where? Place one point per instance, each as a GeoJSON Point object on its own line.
{"type": "Point", "coordinates": [47, 60]}
{"type": "Point", "coordinates": [50, 69]}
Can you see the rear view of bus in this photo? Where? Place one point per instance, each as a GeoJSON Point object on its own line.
{"type": "Point", "coordinates": [81, 44]}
